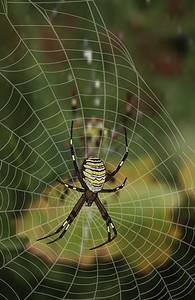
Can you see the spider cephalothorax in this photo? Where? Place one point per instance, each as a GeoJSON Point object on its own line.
{"type": "Point", "coordinates": [92, 178]}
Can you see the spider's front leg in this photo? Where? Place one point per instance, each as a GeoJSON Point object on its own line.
{"type": "Point", "coordinates": [65, 225]}
{"type": "Point", "coordinates": [109, 223]}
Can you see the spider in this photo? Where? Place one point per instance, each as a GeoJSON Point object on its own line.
{"type": "Point", "coordinates": [92, 177]}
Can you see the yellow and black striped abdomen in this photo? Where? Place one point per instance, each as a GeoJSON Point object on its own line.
{"type": "Point", "coordinates": [93, 173]}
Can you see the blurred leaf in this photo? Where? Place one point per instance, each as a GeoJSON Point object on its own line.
{"type": "Point", "coordinates": [146, 232]}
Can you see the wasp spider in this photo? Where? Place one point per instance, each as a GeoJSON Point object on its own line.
{"type": "Point", "coordinates": [92, 178]}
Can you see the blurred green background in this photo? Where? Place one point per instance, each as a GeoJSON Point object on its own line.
{"type": "Point", "coordinates": [160, 36]}
{"type": "Point", "coordinates": [38, 83]}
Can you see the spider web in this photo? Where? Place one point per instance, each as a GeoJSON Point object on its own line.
{"type": "Point", "coordinates": [59, 63]}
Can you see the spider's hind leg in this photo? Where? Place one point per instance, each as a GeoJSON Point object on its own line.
{"type": "Point", "coordinates": [122, 161]}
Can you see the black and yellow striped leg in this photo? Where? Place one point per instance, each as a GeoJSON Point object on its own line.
{"type": "Point", "coordinates": [122, 161]}
{"type": "Point", "coordinates": [109, 223]}
{"type": "Point", "coordinates": [115, 189]}
{"type": "Point", "coordinates": [74, 157]}
{"type": "Point", "coordinates": [68, 186]}
{"type": "Point", "coordinates": [65, 225]}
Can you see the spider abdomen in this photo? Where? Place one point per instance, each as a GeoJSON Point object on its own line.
{"type": "Point", "coordinates": [93, 172]}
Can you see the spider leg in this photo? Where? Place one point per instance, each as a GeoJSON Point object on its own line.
{"type": "Point", "coordinates": [115, 189]}
{"type": "Point", "coordinates": [76, 209]}
{"type": "Point", "coordinates": [68, 186]}
{"type": "Point", "coordinates": [109, 223]}
{"type": "Point", "coordinates": [121, 162]}
{"type": "Point", "coordinates": [57, 231]}
{"type": "Point", "coordinates": [74, 157]}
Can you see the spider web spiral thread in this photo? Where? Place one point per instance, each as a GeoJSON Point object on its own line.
{"type": "Point", "coordinates": [56, 53]}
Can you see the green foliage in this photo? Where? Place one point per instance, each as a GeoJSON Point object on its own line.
{"type": "Point", "coordinates": [41, 67]}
